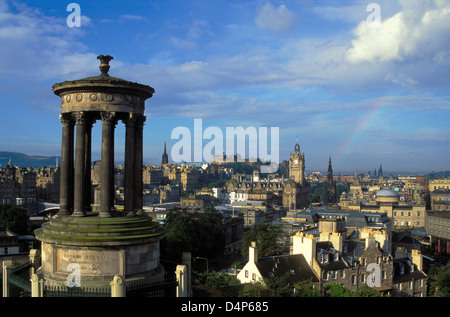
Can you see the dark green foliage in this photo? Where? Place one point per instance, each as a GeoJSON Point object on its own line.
{"type": "Point", "coordinates": [14, 219]}
{"type": "Point", "coordinates": [441, 286]}
{"type": "Point", "coordinates": [306, 289]}
{"type": "Point", "coordinates": [267, 237]}
{"type": "Point", "coordinates": [201, 234]}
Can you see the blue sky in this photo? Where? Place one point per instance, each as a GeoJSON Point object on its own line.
{"type": "Point", "coordinates": [364, 94]}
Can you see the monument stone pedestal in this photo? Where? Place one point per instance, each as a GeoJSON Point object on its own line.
{"type": "Point", "coordinates": [89, 251]}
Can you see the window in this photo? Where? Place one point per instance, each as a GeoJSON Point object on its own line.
{"type": "Point", "coordinates": [334, 275]}
{"type": "Point", "coordinates": [342, 273]}
{"type": "Point", "coordinates": [383, 275]}
{"type": "Point", "coordinates": [353, 279]}
{"type": "Point", "coordinates": [325, 276]}
{"type": "Point", "coordinates": [246, 273]}
{"type": "Point", "coordinates": [363, 278]}
{"type": "Point", "coordinates": [254, 276]}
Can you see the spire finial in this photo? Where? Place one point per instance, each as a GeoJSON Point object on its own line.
{"type": "Point", "coordinates": [104, 65]}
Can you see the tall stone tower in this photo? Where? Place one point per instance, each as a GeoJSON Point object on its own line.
{"type": "Point", "coordinates": [106, 243]}
{"type": "Point", "coordinates": [297, 165]}
{"type": "Point", "coordinates": [296, 188]}
{"type": "Point", "coordinates": [330, 185]}
{"type": "Point", "coordinates": [165, 157]}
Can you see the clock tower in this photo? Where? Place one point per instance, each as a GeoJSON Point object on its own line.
{"type": "Point", "coordinates": [297, 165]}
{"type": "Point", "coordinates": [296, 188]}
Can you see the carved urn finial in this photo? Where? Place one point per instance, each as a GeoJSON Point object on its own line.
{"type": "Point", "coordinates": [104, 66]}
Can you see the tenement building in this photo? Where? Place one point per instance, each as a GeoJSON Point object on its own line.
{"type": "Point", "coordinates": [405, 214]}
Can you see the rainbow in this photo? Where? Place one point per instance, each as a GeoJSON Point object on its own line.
{"type": "Point", "coordinates": [364, 125]}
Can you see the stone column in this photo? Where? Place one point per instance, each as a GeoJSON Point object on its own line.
{"type": "Point", "coordinates": [129, 173]}
{"type": "Point", "coordinates": [36, 286]}
{"type": "Point", "coordinates": [88, 163]}
{"type": "Point", "coordinates": [65, 199]}
{"type": "Point", "coordinates": [35, 258]}
{"type": "Point", "coordinates": [107, 164]}
{"type": "Point", "coordinates": [6, 267]}
{"type": "Point", "coordinates": [71, 166]}
{"type": "Point", "coordinates": [186, 261]}
{"type": "Point", "coordinates": [181, 275]}
{"type": "Point", "coordinates": [118, 287]}
{"type": "Point", "coordinates": [80, 162]}
{"type": "Point", "coordinates": [138, 164]}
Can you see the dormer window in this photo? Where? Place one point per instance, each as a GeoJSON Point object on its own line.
{"type": "Point", "coordinates": [336, 256]}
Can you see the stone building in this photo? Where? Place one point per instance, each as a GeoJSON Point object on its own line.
{"type": "Point", "coordinates": [47, 184]}
{"type": "Point", "coordinates": [437, 226]}
{"type": "Point", "coordinates": [296, 189]}
{"type": "Point", "coordinates": [18, 187]}
{"type": "Point", "coordinates": [357, 262]}
{"type": "Point", "coordinates": [258, 269]}
{"type": "Point", "coordinates": [409, 279]}
{"type": "Point", "coordinates": [152, 176]}
{"type": "Point", "coordinates": [405, 215]}
{"type": "Point", "coordinates": [197, 201]}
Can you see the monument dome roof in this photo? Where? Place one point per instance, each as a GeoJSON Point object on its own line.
{"type": "Point", "coordinates": [104, 80]}
{"type": "Point", "coordinates": [387, 192]}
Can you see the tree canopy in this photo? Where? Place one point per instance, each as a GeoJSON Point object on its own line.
{"type": "Point", "coordinates": [13, 218]}
{"type": "Point", "coordinates": [201, 234]}
{"type": "Point", "coordinates": [267, 237]}
{"type": "Point", "coordinates": [441, 285]}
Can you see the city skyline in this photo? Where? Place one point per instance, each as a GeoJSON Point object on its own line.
{"type": "Point", "coordinates": [363, 94]}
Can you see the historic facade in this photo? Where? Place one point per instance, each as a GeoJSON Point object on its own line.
{"type": "Point", "coordinates": [296, 188]}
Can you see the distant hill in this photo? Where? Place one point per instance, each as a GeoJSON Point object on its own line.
{"type": "Point", "coordinates": [23, 160]}
{"type": "Point", "coordinates": [438, 174]}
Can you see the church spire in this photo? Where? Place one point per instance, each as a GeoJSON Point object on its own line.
{"type": "Point", "coordinates": [330, 168]}
{"type": "Point", "coordinates": [165, 157]}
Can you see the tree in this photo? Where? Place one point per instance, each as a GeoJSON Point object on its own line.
{"type": "Point", "coordinates": [336, 290]}
{"type": "Point", "coordinates": [306, 289]}
{"type": "Point", "coordinates": [256, 289]}
{"type": "Point", "coordinates": [267, 237]}
{"type": "Point", "coordinates": [441, 286]}
{"type": "Point", "coordinates": [279, 286]}
{"type": "Point", "coordinates": [366, 291]}
{"type": "Point", "coordinates": [13, 218]}
{"type": "Point", "coordinates": [202, 234]}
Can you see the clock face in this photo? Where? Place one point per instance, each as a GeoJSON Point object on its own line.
{"type": "Point", "coordinates": [295, 162]}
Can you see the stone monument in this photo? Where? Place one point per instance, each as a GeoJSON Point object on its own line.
{"type": "Point", "coordinates": [96, 245]}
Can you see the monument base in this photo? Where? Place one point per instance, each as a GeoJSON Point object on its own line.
{"type": "Point", "coordinates": [89, 251]}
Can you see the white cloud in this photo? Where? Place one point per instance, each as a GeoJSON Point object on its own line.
{"type": "Point", "coordinates": [39, 46]}
{"type": "Point", "coordinates": [417, 30]}
{"type": "Point", "coordinates": [278, 20]}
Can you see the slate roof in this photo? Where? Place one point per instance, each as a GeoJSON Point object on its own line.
{"type": "Point", "coordinates": [295, 264]}
{"type": "Point", "coordinates": [409, 273]}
